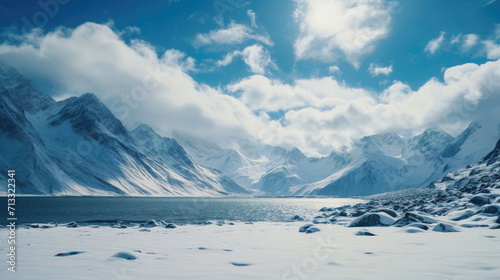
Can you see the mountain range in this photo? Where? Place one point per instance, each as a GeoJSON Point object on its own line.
{"type": "Point", "coordinates": [78, 147]}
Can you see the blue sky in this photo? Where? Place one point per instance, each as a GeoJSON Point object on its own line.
{"type": "Point", "coordinates": [174, 24]}
{"type": "Point", "coordinates": [363, 46]}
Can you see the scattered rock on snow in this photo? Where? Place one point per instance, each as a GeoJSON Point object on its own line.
{"type": "Point", "coordinates": [491, 209]}
{"type": "Point", "coordinates": [305, 227]}
{"type": "Point", "coordinates": [441, 227]}
{"type": "Point", "coordinates": [125, 256]}
{"type": "Point", "coordinates": [297, 218]}
{"type": "Point", "coordinates": [480, 200]}
{"type": "Point", "coordinates": [372, 219]}
{"type": "Point", "coordinates": [312, 230]}
{"type": "Point", "coordinates": [419, 225]}
{"type": "Point", "coordinates": [365, 232]}
{"type": "Point", "coordinates": [410, 217]}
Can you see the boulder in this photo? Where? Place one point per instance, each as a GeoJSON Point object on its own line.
{"type": "Point", "coordinates": [419, 225]}
{"type": "Point", "coordinates": [491, 209]}
{"type": "Point", "coordinates": [312, 230]}
{"type": "Point", "coordinates": [411, 217]}
{"type": "Point", "coordinates": [364, 232]}
{"type": "Point", "coordinates": [441, 227]}
{"type": "Point", "coordinates": [480, 200]}
{"type": "Point", "coordinates": [305, 227]}
{"type": "Point", "coordinates": [372, 219]}
{"type": "Point", "coordinates": [297, 218]}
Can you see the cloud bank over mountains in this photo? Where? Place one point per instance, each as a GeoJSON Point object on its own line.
{"type": "Point", "coordinates": [314, 114]}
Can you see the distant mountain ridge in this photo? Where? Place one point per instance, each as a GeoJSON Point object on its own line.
{"type": "Point", "coordinates": [78, 147]}
{"type": "Point", "coordinates": [374, 164]}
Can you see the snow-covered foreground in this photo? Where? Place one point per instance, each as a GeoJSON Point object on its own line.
{"type": "Point", "coordinates": [262, 250]}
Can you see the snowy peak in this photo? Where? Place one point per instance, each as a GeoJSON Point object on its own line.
{"type": "Point", "coordinates": [493, 156]}
{"type": "Point", "coordinates": [453, 148]}
{"type": "Point", "coordinates": [167, 148]}
{"type": "Point", "coordinates": [430, 143]}
{"type": "Point", "coordinates": [386, 143]}
{"type": "Point", "coordinates": [295, 154]}
{"type": "Point", "coordinates": [90, 118]}
{"type": "Point", "coordinates": [78, 147]}
{"type": "Point", "coordinates": [21, 92]}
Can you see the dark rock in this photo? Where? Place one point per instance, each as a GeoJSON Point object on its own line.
{"type": "Point", "coordinates": [72, 225]}
{"type": "Point", "coordinates": [491, 209]}
{"type": "Point", "coordinates": [125, 256]}
{"type": "Point", "coordinates": [72, 253]}
{"type": "Point", "coordinates": [297, 218]}
{"type": "Point", "coordinates": [465, 215]}
{"type": "Point", "coordinates": [418, 225]}
{"type": "Point", "coordinates": [365, 232]}
{"type": "Point", "coordinates": [305, 227]}
{"type": "Point", "coordinates": [372, 219]}
{"type": "Point", "coordinates": [409, 218]}
{"type": "Point", "coordinates": [343, 213]}
{"type": "Point", "coordinates": [480, 200]}
{"type": "Point", "coordinates": [170, 225]}
{"type": "Point", "coordinates": [312, 230]}
{"type": "Point", "coordinates": [447, 179]}
{"type": "Point", "coordinates": [444, 228]}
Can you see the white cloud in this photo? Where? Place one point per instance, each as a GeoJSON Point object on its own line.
{"type": "Point", "coordinates": [177, 59]}
{"type": "Point", "coordinates": [136, 84]}
{"type": "Point", "coordinates": [435, 44]}
{"type": "Point", "coordinates": [340, 28]}
{"type": "Point", "coordinates": [234, 34]}
{"type": "Point", "coordinates": [251, 15]}
{"type": "Point", "coordinates": [470, 40]}
{"type": "Point", "coordinates": [492, 49]}
{"type": "Point", "coordinates": [319, 114]}
{"type": "Point", "coordinates": [334, 69]}
{"type": "Point", "coordinates": [255, 56]}
{"type": "Point", "coordinates": [455, 39]}
{"type": "Point", "coordinates": [262, 93]}
{"type": "Point", "coordinates": [376, 70]}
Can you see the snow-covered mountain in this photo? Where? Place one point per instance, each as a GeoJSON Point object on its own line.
{"type": "Point", "coordinates": [374, 164]}
{"type": "Point", "coordinates": [78, 147]}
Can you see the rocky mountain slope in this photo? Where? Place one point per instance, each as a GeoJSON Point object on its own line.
{"type": "Point", "coordinates": [78, 147]}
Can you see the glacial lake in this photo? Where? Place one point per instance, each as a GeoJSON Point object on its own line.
{"type": "Point", "coordinates": [179, 210]}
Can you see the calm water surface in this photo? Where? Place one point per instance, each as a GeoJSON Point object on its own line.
{"type": "Point", "coordinates": [176, 210]}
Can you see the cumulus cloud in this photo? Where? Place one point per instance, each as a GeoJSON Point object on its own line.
{"type": "Point", "coordinates": [334, 69]}
{"type": "Point", "coordinates": [255, 57]}
{"type": "Point", "coordinates": [435, 44]}
{"type": "Point", "coordinates": [136, 84]}
{"type": "Point", "coordinates": [376, 70]}
{"type": "Point", "coordinates": [319, 114]}
{"type": "Point", "coordinates": [260, 92]}
{"type": "Point", "coordinates": [233, 34]}
{"type": "Point", "coordinates": [470, 40]}
{"type": "Point", "coordinates": [330, 29]}
{"type": "Point", "coordinates": [492, 49]}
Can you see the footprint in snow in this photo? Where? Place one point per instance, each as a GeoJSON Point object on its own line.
{"type": "Point", "coordinates": [240, 264]}
{"type": "Point", "coordinates": [72, 253]}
